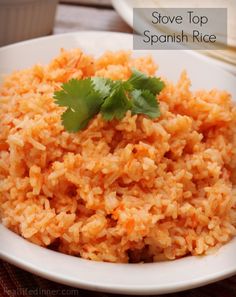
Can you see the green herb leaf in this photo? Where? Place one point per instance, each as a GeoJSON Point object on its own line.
{"type": "Point", "coordinates": [85, 98]}
{"type": "Point", "coordinates": [102, 85]}
{"type": "Point", "coordinates": [116, 105]}
{"type": "Point", "coordinates": [72, 121]}
{"type": "Point", "coordinates": [141, 81]}
{"type": "Point", "coordinates": [144, 102]}
{"type": "Point", "coordinates": [82, 100]}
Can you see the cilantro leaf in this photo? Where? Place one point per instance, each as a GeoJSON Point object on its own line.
{"type": "Point", "coordinates": [72, 120]}
{"type": "Point", "coordinates": [85, 98]}
{"type": "Point", "coordinates": [70, 92]}
{"type": "Point", "coordinates": [116, 105]}
{"type": "Point", "coordinates": [144, 102]}
{"type": "Point", "coordinates": [102, 85]}
{"type": "Point", "coordinates": [141, 81]}
{"type": "Point", "coordinates": [82, 101]}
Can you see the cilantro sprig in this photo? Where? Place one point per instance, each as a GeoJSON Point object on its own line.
{"type": "Point", "coordinates": [87, 97]}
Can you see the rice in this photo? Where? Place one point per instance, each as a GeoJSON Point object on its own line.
{"type": "Point", "coordinates": [121, 191]}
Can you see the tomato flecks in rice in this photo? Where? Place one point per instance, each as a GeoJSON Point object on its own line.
{"type": "Point", "coordinates": [130, 190]}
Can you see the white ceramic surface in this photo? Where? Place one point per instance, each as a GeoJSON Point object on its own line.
{"type": "Point", "coordinates": [25, 19]}
{"type": "Point", "coordinates": [153, 278]}
{"type": "Point", "coordinates": [125, 9]}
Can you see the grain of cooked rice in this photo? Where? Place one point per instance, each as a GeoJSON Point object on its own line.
{"type": "Point", "coordinates": [133, 190]}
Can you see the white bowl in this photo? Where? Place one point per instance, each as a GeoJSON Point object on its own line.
{"type": "Point", "coordinates": [25, 19]}
{"type": "Point", "coordinates": [153, 278]}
